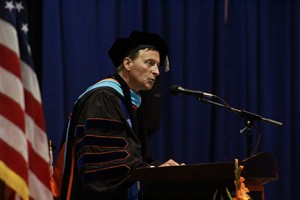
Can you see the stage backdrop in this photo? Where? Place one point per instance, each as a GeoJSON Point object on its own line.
{"type": "Point", "coordinates": [246, 52]}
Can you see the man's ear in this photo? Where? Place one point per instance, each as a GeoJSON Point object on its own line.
{"type": "Point", "coordinates": [127, 62]}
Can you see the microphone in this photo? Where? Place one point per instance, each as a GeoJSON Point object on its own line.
{"type": "Point", "coordinates": [175, 89]}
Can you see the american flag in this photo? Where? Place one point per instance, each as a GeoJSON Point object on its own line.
{"type": "Point", "coordinates": [24, 153]}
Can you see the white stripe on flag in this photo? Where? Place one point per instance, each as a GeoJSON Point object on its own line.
{"type": "Point", "coordinates": [8, 36]}
{"type": "Point", "coordinates": [37, 138]}
{"type": "Point", "coordinates": [37, 189]}
{"type": "Point", "coordinates": [13, 136]}
{"type": "Point", "coordinates": [30, 81]}
{"type": "Point", "coordinates": [11, 86]}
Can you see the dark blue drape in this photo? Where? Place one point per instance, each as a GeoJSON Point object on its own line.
{"type": "Point", "coordinates": [250, 58]}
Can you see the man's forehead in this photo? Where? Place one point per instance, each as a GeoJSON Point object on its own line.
{"type": "Point", "coordinates": [150, 54]}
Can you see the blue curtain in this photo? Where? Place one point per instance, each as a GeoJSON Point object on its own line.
{"type": "Point", "coordinates": [246, 52]}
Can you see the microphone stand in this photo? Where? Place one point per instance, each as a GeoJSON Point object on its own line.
{"type": "Point", "coordinates": [249, 119]}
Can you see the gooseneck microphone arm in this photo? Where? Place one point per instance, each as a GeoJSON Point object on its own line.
{"type": "Point", "coordinates": [248, 116]}
{"type": "Point", "coordinates": [175, 90]}
{"type": "Point", "coordinates": [242, 113]}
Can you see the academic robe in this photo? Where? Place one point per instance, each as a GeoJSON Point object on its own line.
{"type": "Point", "coordinates": [108, 141]}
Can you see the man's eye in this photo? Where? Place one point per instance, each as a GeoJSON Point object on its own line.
{"type": "Point", "coordinates": [150, 62]}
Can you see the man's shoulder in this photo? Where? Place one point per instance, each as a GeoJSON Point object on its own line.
{"type": "Point", "coordinates": [105, 91]}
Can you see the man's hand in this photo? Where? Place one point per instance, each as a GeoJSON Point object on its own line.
{"type": "Point", "coordinates": [170, 162]}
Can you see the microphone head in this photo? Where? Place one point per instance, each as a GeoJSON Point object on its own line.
{"type": "Point", "coordinates": [174, 89]}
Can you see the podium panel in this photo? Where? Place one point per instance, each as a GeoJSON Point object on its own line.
{"type": "Point", "coordinates": [200, 181]}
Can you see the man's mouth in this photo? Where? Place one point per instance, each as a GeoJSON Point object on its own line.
{"type": "Point", "coordinates": [152, 80]}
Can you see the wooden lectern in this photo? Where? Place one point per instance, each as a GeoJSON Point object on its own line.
{"type": "Point", "coordinates": [200, 181]}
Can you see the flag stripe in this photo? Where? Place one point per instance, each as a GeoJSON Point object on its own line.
{"type": "Point", "coordinates": [34, 110]}
{"type": "Point", "coordinates": [37, 136]}
{"type": "Point", "coordinates": [38, 166]}
{"type": "Point", "coordinates": [30, 82]}
{"type": "Point", "coordinates": [11, 86]}
{"type": "Point", "coordinates": [12, 111]}
{"type": "Point", "coordinates": [10, 155]}
{"type": "Point", "coordinates": [37, 189]}
{"type": "Point", "coordinates": [13, 136]}
{"type": "Point", "coordinates": [9, 60]}
{"type": "Point", "coordinates": [8, 35]}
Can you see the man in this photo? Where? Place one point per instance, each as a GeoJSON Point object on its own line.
{"type": "Point", "coordinates": [106, 137]}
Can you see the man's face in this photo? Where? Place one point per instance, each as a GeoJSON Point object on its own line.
{"type": "Point", "coordinates": [144, 69]}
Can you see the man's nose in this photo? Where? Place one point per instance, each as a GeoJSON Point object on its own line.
{"type": "Point", "coordinates": [155, 70]}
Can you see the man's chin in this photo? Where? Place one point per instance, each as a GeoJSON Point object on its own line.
{"type": "Point", "coordinates": [148, 87]}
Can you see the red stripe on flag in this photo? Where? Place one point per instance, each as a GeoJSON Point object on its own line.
{"type": "Point", "coordinates": [9, 60]}
{"type": "Point", "coordinates": [39, 166]}
{"type": "Point", "coordinates": [13, 160]}
{"type": "Point", "coordinates": [12, 111]}
{"type": "Point", "coordinates": [34, 109]}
